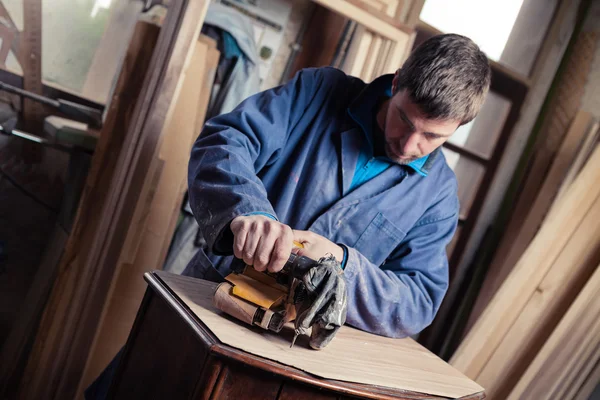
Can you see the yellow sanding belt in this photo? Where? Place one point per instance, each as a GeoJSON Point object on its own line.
{"type": "Point", "coordinates": [254, 291]}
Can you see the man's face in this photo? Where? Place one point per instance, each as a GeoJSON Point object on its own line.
{"type": "Point", "coordinates": [409, 134]}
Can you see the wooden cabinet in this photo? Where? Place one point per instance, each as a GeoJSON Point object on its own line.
{"type": "Point", "coordinates": [172, 354]}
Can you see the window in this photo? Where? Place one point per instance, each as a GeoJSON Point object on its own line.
{"type": "Point", "coordinates": [82, 42]}
{"type": "Point", "coordinates": [508, 31]}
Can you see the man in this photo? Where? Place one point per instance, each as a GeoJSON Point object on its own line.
{"type": "Point", "coordinates": [345, 168]}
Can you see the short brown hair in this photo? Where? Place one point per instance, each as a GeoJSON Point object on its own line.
{"type": "Point", "coordinates": [447, 76]}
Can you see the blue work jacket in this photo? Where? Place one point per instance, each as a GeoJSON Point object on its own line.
{"type": "Point", "coordinates": [291, 152]}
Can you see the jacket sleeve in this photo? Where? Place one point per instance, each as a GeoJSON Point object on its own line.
{"type": "Point", "coordinates": [401, 297]}
{"type": "Point", "coordinates": [233, 148]}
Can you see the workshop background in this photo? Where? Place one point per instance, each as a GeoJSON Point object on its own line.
{"type": "Point", "coordinates": [93, 162]}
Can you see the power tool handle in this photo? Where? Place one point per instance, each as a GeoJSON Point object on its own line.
{"type": "Point", "coordinates": [297, 266]}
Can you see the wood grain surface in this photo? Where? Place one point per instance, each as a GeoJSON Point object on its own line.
{"type": "Point", "coordinates": [353, 355]}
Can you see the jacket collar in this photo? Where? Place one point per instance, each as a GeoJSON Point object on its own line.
{"type": "Point", "coordinates": [361, 111]}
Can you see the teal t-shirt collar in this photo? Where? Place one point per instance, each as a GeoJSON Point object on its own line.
{"type": "Point", "coordinates": [361, 112]}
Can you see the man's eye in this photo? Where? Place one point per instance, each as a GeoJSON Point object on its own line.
{"type": "Point", "coordinates": [431, 136]}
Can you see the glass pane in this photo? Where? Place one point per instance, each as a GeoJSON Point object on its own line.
{"type": "Point", "coordinates": [469, 174]}
{"type": "Point", "coordinates": [508, 31]}
{"type": "Point", "coordinates": [82, 42]}
{"type": "Point", "coordinates": [481, 134]}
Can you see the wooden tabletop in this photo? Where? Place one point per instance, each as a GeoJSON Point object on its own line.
{"type": "Point", "coordinates": [355, 362]}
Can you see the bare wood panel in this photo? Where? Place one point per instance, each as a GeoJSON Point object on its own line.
{"type": "Point", "coordinates": [578, 327]}
{"type": "Point", "coordinates": [477, 348]}
{"type": "Point", "coordinates": [408, 366]}
{"type": "Point", "coordinates": [545, 306]}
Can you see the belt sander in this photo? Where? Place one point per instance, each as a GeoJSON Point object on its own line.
{"type": "Point", "coordinates": [309, 292]}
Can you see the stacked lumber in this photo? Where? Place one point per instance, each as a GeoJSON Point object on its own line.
{"type": "Point", "coordinates": [539, 337]}
{"type": "Point", "coordinates": [156, 212]}
{"type": "Point", "coordinates": [131, 137]}
{"type": "Point", "coordinates": [373, 51]}
{"type": "Point", "coordinates": [573, 151]}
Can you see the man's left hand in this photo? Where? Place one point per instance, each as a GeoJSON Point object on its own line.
{"type": "Point", "coordinates": [316, 246]}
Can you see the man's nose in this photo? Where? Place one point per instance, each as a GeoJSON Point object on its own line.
{"type": "Point", "coordinates": [411, 145]}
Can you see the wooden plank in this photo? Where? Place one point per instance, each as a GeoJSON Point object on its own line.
{"type": "Point", "coordinates": [398, 54]}
{"type": "Point", "coordinates": [514, 245]}
{"type": "Point", "coordinates": [582, 363]}
{"type": "Point", "coordinates": [378, 12]}
{"type": "Point", "coordinates": [580, 325]}
{"type": "Point", "coordinates": [14, 45]}
{"type": "Point", "coordinates": [546, 304]}
{"type": "Point", "coordinates": [544, 73]}
{"type": "Point", "coordinates": [31, 63]}
{"type": "Point", "coordinates": [583, 154]}
{"type": "Point", "coordinates": [367, 359]}
{"type": "Point", "coordinates": [505, 307]}
{"type": "Point", "coordinates": [504, 187]}
{"type": "Point", "coordinates": [382, 57]}
{"type": "Point", "coordinates": [369, 21]}
{"type": "Point", "coordinates": [590, 384]}
{"type": "Point", "coordinates": [128, 88]}
{"type": "Point", "coordinates": [371, 58]}
{"type": "Point", "coordinates": [358, 51]}
{"type": "Point", "coordinates": [63, 342]}
{"type": "Point", "coordinates": [158, 209]}
{"type": "Point", "coordinates": [7, 35]}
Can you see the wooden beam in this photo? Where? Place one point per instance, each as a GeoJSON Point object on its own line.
{"type": "Point", "coordinates": [8, 36]}
{"type": "Point", "coordinates": [379, 14]}
{"type": "Point", "coordinates": [14, 45]}
{"type": "Point", "coordinates": [31, 63]}
{"type": "Point", "coordinates": [369, 21]}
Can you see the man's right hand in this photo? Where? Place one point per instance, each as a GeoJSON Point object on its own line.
{"type": "Point", "coordinates": [262, 242]}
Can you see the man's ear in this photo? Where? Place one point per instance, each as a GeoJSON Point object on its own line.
{"type": "Point", "coordinates": [395, 82]}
